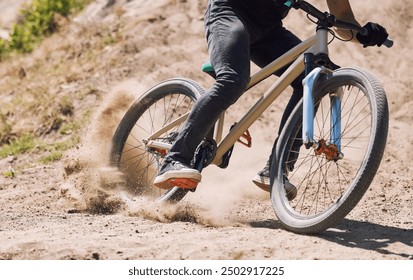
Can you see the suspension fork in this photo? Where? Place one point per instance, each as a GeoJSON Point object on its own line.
{"type": "Point", "coordinates": [335, 112]}
{"type": "Point", "coordinates": [309, 86]}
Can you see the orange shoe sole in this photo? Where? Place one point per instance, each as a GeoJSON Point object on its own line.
{"type": "Point", "coordinates": [182, 183]}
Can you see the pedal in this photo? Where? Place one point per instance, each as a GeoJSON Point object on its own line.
{"type": "Point", "coordinates": [247, 137]}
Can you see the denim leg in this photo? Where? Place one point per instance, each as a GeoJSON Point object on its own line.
{"type": "Point", "coordinates": [228, 44]}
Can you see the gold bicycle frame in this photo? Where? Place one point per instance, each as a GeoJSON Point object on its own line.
{"type": "Point", "coordinates": [315, 44]}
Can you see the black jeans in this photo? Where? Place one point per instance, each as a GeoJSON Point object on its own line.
{"type": "Point", "coordinates": [233, 41]}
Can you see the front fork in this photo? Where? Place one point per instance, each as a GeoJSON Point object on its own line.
{"type": "Point", "coordinates": [331, 149]}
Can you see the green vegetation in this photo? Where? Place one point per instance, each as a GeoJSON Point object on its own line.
{"type": "Point", "coordinates": [55, 151]}
{"type": "Point", "coordinates": [5, 128]}
{"type": "Point", "coordinates": [27, 143]}
{"type": "Point", "coordinates": [4, 48]}
{"type": "Point", "coordinates": [8, 174]}
{"type": "Point", "coordinates": [54, 156]}
{"type": "Point", "coordinates": [19, 146]}
{"type": "Point", "coordinates": [38, 21]}
{"type": "Point", "coordinates": [54, 113]}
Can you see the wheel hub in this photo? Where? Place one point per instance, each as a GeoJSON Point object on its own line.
{"type": "Point", "coordinates": [330, 151]}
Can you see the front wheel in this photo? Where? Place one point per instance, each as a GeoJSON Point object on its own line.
{"type": "Point", "coordinates": [134, 149]}
{"type": "Point", "coordinates": [332, 178]}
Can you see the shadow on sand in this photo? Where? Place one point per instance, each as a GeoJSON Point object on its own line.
{"type": "Point", "coordinates": [362, 235]}
{"type": "Point", "coordinates": [370, 236]}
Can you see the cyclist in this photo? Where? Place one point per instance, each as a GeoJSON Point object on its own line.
{"type": "Point", "coordinates": [237, 32]}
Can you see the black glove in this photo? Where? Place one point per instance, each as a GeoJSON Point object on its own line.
{"type": "Point", "coordinates": [376, 35]}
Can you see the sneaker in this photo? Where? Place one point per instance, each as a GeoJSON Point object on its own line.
{"type": "Point", "coordinates": [175, 174]}
{"type": "Point", "coordinates": [262, 180]}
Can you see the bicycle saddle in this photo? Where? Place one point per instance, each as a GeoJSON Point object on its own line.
{"type": "Point", "coordinates": [209, 69]}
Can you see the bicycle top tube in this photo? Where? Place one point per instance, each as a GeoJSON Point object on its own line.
{"type": "Point", "coordinates": [328, 20]}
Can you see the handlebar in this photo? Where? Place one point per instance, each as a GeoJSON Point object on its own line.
{"type": "Point", "coordinates": [363, 31]}
{"type": "Point", "coordinates": [330, 19]}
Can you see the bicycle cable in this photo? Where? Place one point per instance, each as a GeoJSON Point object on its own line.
{"type": "Point", "coordinates": [335, 36]}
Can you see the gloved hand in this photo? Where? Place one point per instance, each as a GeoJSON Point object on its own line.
{"type": "Point", "coordinates": [376, 35]}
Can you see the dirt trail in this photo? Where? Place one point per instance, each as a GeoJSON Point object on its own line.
{"type": "Point", "coordinates": [227, 217]}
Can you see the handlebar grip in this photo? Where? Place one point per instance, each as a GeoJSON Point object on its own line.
{"type": "Point", "coordinates": [388, 43]}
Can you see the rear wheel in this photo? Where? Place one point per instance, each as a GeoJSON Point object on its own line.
{"type": "Point", "coordinates": [329, 184]}
{"type": "Point", "coordinates": [131, 151]}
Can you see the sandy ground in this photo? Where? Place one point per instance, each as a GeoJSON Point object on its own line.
{"type": "Point", "coordinates": [9, 14]}
{"type": "Point", "coordinates": [47, 212]}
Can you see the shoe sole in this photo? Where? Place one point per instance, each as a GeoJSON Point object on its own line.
{"type": "Point", "coordinates": [182, 183]}
{"type": "Point", "coordinates": [261, 185]}
{"type": "Point", "coordinates": [290, 189]}
{"type": "Point", "coordinates": [167, 181]}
